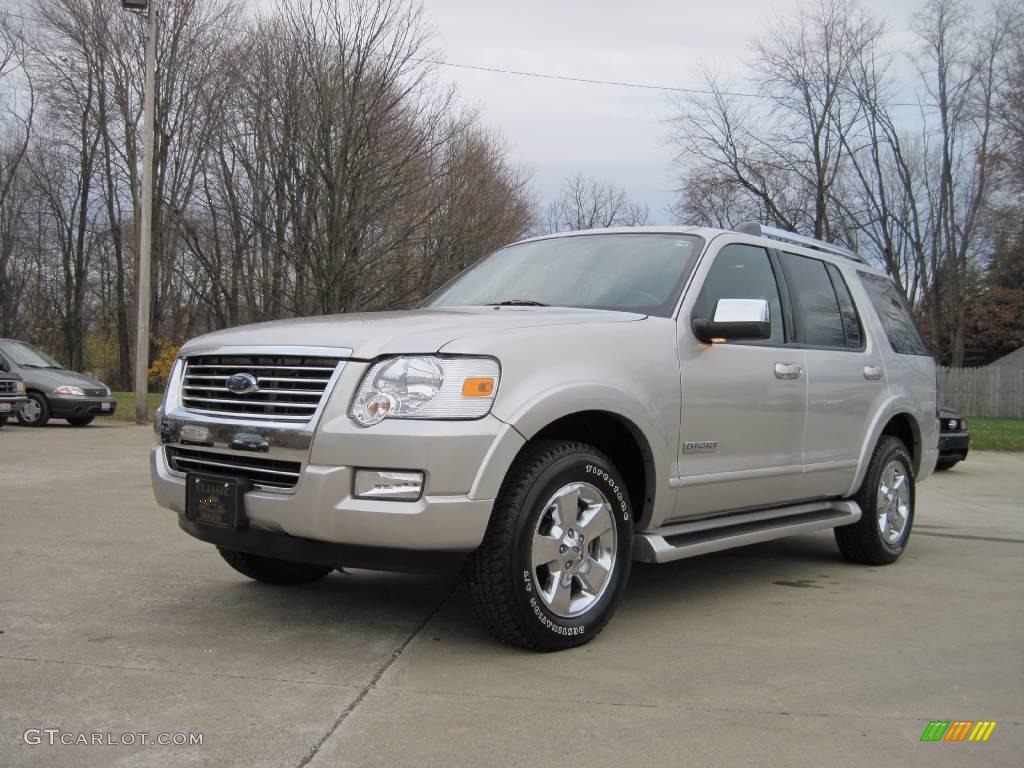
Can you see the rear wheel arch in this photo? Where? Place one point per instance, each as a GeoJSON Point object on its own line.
{"type": "Point", "coordinates": [895, 418]}
{"type": "Point", "coordinates": [905, 427]}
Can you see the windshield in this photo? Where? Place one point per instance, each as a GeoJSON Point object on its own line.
{"type": "Point", "coordinates": [631, 272]}
{"type": "Point", "coordinates": [28, 356]}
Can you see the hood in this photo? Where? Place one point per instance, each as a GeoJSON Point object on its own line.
{"type": "Point", "coordinates": [48, 378]}
{"type": "Point", "coordinates": [415, 331]}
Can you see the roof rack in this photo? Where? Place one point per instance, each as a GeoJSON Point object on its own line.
{"type": "Point", "coordinates": [784, 235]}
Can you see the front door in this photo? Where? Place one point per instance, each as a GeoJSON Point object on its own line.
{"type": "Point", "coordinates": [744, 402]}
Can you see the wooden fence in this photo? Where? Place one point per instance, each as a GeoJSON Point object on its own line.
{"type": "Point", "coordinates": [986, 392]}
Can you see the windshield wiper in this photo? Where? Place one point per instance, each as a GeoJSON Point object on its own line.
{"type": "Point", "coordinates": [517, 303]}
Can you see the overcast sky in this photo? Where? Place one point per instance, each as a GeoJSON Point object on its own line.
{"type": "Point", "coordinates": [617, 134]}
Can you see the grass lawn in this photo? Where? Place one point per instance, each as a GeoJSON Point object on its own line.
{"type": "Point", "coordinates": [126, 405]}
{"type": "Point", "coordinates": [996, 434]}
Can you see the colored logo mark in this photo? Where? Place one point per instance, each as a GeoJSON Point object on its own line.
{"type": "Point", "coordinates": [958, 730]}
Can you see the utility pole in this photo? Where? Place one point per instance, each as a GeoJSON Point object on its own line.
{"type": "Point", "coordinates": [146, 224]}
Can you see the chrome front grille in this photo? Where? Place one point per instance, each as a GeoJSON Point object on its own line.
{"type": "Point", "coordinates": [271, 473]}
{"type": "Point", "coordinates": [288, 387]}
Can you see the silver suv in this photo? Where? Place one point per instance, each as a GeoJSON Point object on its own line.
{"type": "Point", "coordinates": [567, 405]}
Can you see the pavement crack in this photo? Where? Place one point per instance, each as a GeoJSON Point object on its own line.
{"type": "Point", "coordinates": [372, 683]}
{"type": "Point", "coordinates": [999, 539]}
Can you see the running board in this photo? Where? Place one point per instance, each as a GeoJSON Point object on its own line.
{"type": "Point", "coordinates": [689, 539]}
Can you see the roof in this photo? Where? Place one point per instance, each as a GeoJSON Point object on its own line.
{"type": "Point", "coordinates": [1013, 360]}
{"type": "Point", "coordinates": [709, 233]}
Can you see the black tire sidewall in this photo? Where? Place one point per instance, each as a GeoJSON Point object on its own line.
{"type": "Point", "coordinates": [547, 627]}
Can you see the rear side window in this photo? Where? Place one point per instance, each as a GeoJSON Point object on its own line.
{"type": "Point", "coordinates": [819, 321]}
{"type": "Point", "coordinates": [895, 314]}
{"type": "Point", "coordinates": [848, 310]}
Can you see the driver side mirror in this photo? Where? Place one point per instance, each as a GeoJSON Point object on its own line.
{"type": "Point", "coordinates": [735, 320]}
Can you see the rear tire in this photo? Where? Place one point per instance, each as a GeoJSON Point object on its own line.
{"type": "Point", "coordinates": [556, 556]}
{"type": "Point", "coordinates": [886, 498]}
{"type": "Point", "coordinates": [80, 421]}
{"type": "Point", "coordinates": [3, 420]}
{"type": "Point", "coordinates": [34, 413]}
{"type": "Point", "coordinates": [270, 570]}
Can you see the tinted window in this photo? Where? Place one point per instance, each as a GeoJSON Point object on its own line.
{"type": "Point", "coordinates": [742, 272]}
{"type": "Point", "coordinates": [848, 310]}
{"type": "Point", "coordinates": [895, 314]}
{"type": "Point", "coordinates": [634, 273]}
{"type": "Point", "coordinates": [819, 322]}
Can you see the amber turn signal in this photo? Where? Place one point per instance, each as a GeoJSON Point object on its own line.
{"type": "Point", "coordinates": [478, 387]}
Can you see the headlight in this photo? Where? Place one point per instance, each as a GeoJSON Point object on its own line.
{"type": "Point", "coordinates": [963, 425]}
{"type": "Point", "coordinates": [66, 390]}
{"type": "Point", "coordinates": [426, 388]}
{"type": "Point", "coordinates": [20, 386]}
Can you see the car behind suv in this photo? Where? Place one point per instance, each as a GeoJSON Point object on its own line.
{"type": "Point", "coordinates": [567, 405]}
{"type": "Point", "coordinates": [53, 391]}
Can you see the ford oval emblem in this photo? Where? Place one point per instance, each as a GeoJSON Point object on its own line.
{"type": "Point", "coordinates": [242, 384]}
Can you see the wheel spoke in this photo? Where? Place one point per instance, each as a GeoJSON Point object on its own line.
{"type": "Point", "coordinates": [562, 596]}
{"type": "Point", "coordinates": [567, 507]}
{"type": "Point", "coordinates": [595, 522]}
{"type": "Point", "coordinates": [545, 550]}
{"type": "Point", "coordinates": [594, 578]}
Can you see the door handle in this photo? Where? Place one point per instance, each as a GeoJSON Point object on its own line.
{"type": "Point", "coordinates": [788, 371]}
{"type": "Point", "coordinates": [872, 372]}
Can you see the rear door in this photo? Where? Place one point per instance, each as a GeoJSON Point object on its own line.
{"type": "Point", "coordinates": [845, 379]}
{"type": "Point", "coordinates": [743, 402]}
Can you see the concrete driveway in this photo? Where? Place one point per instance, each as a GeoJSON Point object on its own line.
{"type": "Point", "coordinates": [114, 621]}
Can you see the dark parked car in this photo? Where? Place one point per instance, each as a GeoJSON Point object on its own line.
{"type": "Point", "coordinates": [954, 439]}
{"type": "Point", "coordinates": [54, 392]}
{"type": "Point", "coordinates": [12, 396]}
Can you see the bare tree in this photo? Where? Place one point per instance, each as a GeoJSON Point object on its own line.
{"type": "Point", "coordinates": [586, 203]}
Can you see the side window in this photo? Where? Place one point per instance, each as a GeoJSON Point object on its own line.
{"type": "Point", "coordinates": [819, 323]}
{"type": "Point", "coordinates": [895, 314]}
{"type": "Point", "coordinates": [848, 310]}
{"type": "Point", "coordinates": [742, 272]}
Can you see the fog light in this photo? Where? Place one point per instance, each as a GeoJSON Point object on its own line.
{"type": "Point", "coordinates": [388, 484]}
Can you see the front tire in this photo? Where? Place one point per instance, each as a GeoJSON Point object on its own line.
{"type": "Point", "coordinates": [34, 413]}
{"type": "Point", "coordinates": [270, 570]}
{"type": "Point", "coordinates": [886, 498]}
{"type": "Point", "coordinates": [557, 552]}
{"type": "Point", "coordinates": [80, 421]}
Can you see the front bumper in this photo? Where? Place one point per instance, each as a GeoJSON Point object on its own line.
{"type": "Point", "coordinates": [954, 445]}
{"type": "Point", "coordinates": [334, 555]}
{"type": "Point", "coordinates": [71, 407]}
{"type": "Point", "coordinates": [11, 406]}
{"type": "Point", "coordinates": [322, 508]}
{"type": "Point", "coordinates": [318, 518]}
